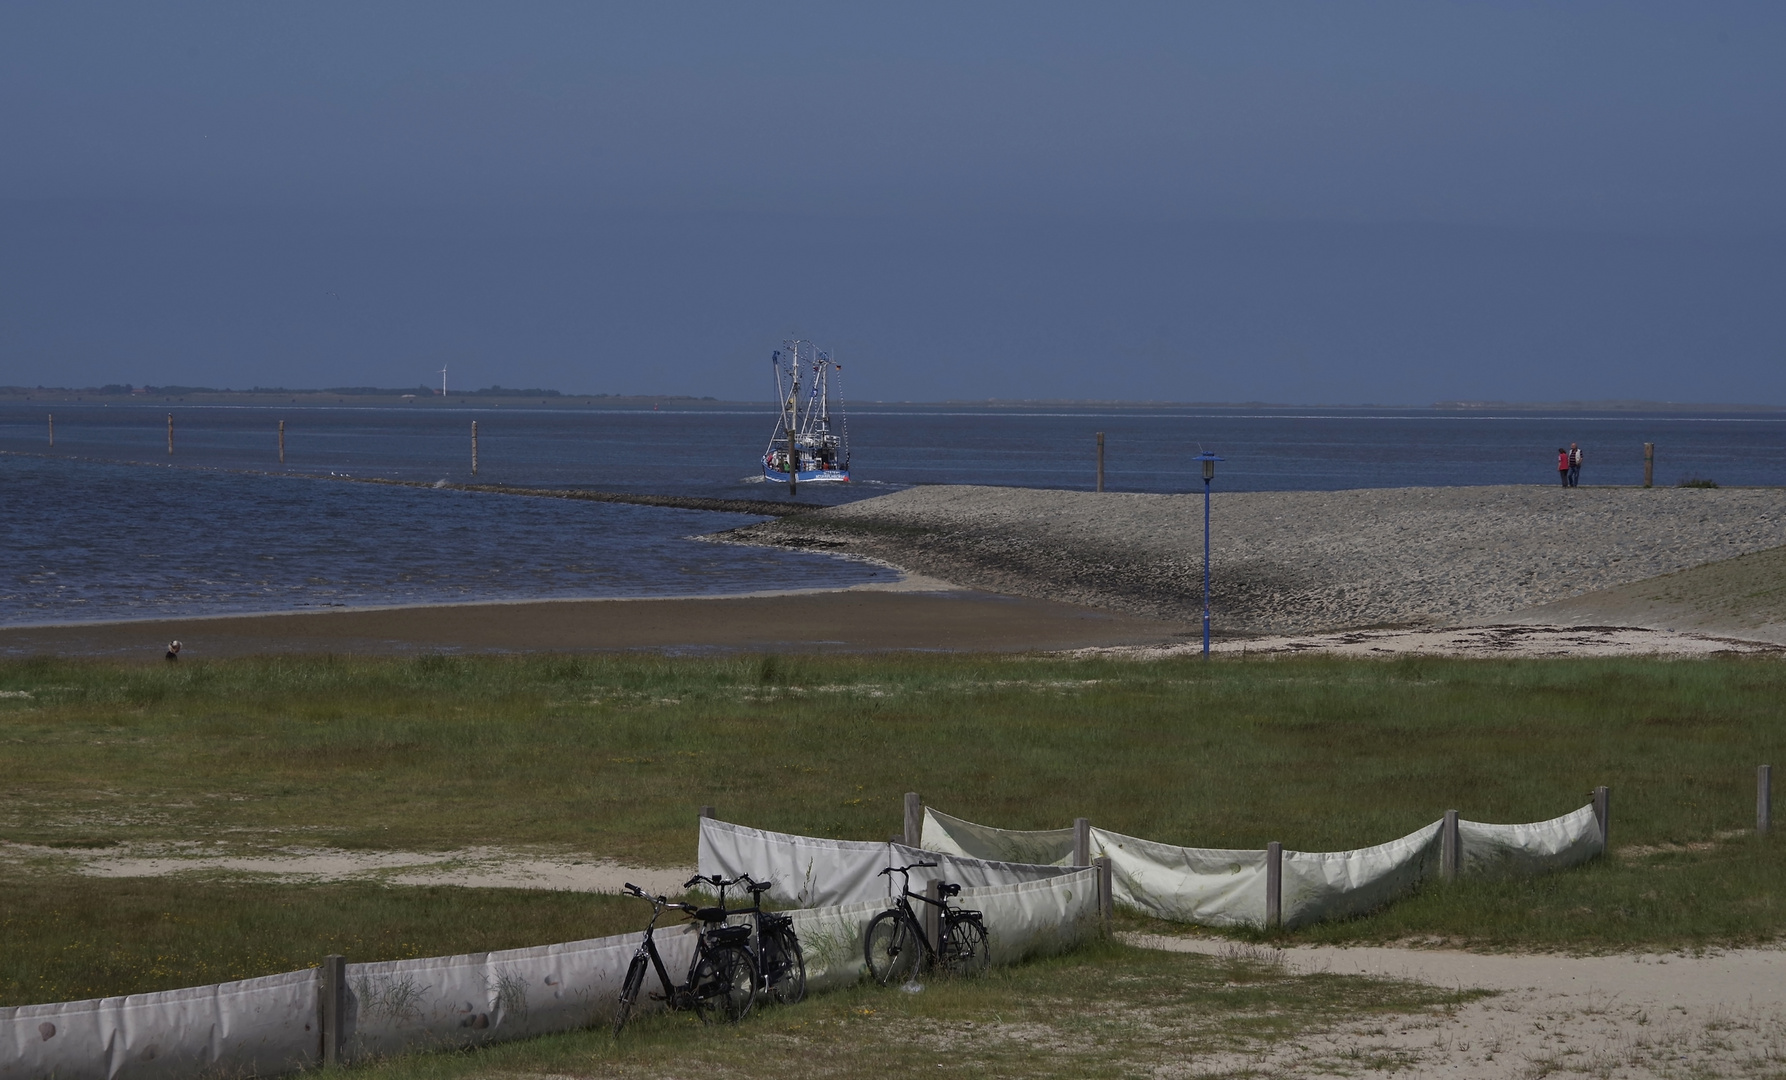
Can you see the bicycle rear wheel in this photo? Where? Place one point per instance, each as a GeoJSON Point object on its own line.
{"type": "Point", "coordinates": [629, 991]}
{"type": "Point", "coordinates": [892, 948]}
{"type": "Point", "coordinates": [729, 985]}
{"type": "Point", "coordinates": [965, 951]}
{"type": "Point", "coordinates": [786, 964]}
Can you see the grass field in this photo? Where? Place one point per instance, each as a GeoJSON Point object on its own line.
{"type": "Point", "coordinates": [610, 756]}
{"type": "Point", "coordinates": [1104, 1011]}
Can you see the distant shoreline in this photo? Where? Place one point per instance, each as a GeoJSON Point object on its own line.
{"type": "Point", "coordinates": [419, 398]}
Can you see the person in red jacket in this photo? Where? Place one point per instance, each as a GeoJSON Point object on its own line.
{"type": "Point", "coordinates": [1563, 466]}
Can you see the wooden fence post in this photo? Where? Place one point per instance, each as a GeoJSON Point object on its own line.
{"type": "Point", "coordinates": [1100, 461]}
{"type": "Point", "coordinates": [914, 820]}
{"type": "Point", "coordinates": [1603, 814]}
{"type": "Point", "coordinates": [334, 1009]}
{"type": "Point", "coordinates": [1649, 463]}
{"type": "Point", "coordinates": [706, 811]}
{"type": "Point", "coordinates": [1274, 885]}
{"type": "Point", "coordinates": [1106, 890]}
{"type": "Point", "coordinates": [933, 915]}
{"type": "Point", "coordinates": [1764, 799]}
{"type": "Point", "coordinates": [1450, 852]}
{"type": "Point", "coordinates": [1082, 841]}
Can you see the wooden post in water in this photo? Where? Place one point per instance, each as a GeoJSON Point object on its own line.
{"type": "Point", "coordinates": [1649, 463]}
{"type": "Point", "coordinates": [52, 431]}
{"type": "Point", "coordinates": [170, 433]}
{"type": "Point", "coordinates": [474, 448]}
{"type": "Point", "coordinates": [914, 820]}
{"type": "Point", "coordinates": [1764, 799]}
{"type": "Point", "coordinates": [793, 464]}
{"type": "Point", "coordinates": [281, 442]}
{"type": "Point", "coordinates": [334, 1009]}
{"type": "Point", "coordinates": [1082, 841]}
{"type": "Point", "coordinates": [1100, 461]}
{"type": "Point", "coordinates": [1450, 853]}
{"type": "Point", "coordinates": [1274, 885]}
{"type": "Point", "coordinates": [1603, 814]}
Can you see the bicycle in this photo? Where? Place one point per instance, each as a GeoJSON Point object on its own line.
{"type": "Point", "coordinates": [781, 966]}
{"type": "Point", "coordinates": [722, 976]}
{"type": "Point", "coordinates": [896, 947]}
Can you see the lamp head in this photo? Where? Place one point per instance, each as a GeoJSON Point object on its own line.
{"type": "Point", "coordinates": [1208, 459]}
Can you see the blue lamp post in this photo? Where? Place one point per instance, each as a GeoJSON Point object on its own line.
{"type": "Point", "coordinates": [1208, 459]}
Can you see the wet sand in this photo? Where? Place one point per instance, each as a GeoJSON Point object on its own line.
{"type": "Point", "coordinates": [843, 621]}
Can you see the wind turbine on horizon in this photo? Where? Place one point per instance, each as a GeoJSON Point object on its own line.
{"type": "Point", "coordinates": [443, 380]}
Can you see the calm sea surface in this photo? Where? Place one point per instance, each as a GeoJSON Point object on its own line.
{"type": "Point", "coordinates": [109, 525]}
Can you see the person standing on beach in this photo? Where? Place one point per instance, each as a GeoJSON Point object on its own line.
{"type": "Point", "coordinates": [1574, 465]}
{"type": "Point", "coordinates": [1563, 466]}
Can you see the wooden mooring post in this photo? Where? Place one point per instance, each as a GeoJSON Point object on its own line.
{"type": "Point", "coordinates": [281, 442]}
{"type": "Point", "coordinates": [52, 431]}
{"type": "Point", "coordinates": [1100, 461]}
{"type": "Point", "coordinates": [474, 448]}
{"type": "Point", "coordinates": [170, 433]}
{"type": "Point", "coordinates": [914, 820]}
{"type": "Point", "coordinates": [1274, 886]}
{"type": "Point", "coordinates": [1649, 464]}
{"type": "Point", "coordinates": [1764, 799]}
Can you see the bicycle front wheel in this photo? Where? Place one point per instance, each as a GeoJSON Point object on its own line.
{"type": "Point", "coordinates": [787, 966]}
{"type": "Point", "coordinates": [965, 951]}
{"type": "Point", "coordinates": [892, 948]}
{"type": "Point", "coordinates": [629, 991]}
{"type": "Point", "coordinates": [729, 987]}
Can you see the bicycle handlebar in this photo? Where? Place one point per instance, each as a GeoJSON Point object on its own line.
{"type": "Point", "coordinates": [905, 869]}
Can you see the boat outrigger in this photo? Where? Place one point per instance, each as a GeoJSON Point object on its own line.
{"type": "Point", "coordinates": [805, 447]}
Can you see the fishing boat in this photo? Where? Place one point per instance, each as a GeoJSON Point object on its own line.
{"type": "Point", "coordinates": [806, 447]}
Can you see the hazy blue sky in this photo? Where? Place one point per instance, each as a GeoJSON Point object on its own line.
{"type": "Point", "coordinates": [1289, 202]}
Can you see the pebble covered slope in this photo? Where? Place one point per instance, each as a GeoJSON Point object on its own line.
{"type": "Point", "coordinates": [1300, 561]}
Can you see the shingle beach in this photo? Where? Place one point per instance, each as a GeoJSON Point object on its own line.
{"type": "Point", "coordinates": [1295, 562]}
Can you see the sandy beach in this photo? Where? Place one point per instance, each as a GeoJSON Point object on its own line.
{"type": "Point", "coordinates": [847, 620]}
{"type": "Point", "coordinates": [1305, 561]}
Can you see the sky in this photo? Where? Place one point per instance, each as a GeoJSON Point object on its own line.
{"type": "Point", "coordinates": [1308, 203]}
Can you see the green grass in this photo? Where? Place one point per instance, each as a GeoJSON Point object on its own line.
{"type": "Point", "coordinates": [1103, 1011]}
{"type": "Point", "coordinates": [611, 756]}
{"type": "Point", "coordinates": [67, 939]}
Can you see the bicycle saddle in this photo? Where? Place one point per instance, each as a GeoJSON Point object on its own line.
{"type": "Point", "coordinates": [950, 888]}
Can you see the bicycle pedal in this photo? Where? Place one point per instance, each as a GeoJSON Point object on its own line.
{"type": "Point", "coordinates": [655, 996]}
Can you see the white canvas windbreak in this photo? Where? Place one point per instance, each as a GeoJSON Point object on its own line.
{"type": "Point", "coordinates": [968, 873]}
{"type": "Point", "coordinates": [954, 836]}
{"type": "Point", "coordinates": [1037, 918]}
{"type": "Point", "coordinates": [1528, 849]}
{"type": "Point", "coordinates": [1335, 884]}
{"type": "Point", "coordinates": [805, 871]}
{"type": "Point", "coordinates": [266, 1025]}
{"type": "Point", "coordinates": [453, 1001]}
{"type": "Point", "coordinates": [1206, 886]}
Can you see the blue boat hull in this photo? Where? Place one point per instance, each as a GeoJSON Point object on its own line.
{"type": "Point", "coordinates": [808, 476]}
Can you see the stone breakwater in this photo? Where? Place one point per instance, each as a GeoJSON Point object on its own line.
{"type": "Point", "coordinates": [1301, 561]}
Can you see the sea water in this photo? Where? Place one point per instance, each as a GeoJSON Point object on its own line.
{"type": "Point", "coordinates": [108, 524]}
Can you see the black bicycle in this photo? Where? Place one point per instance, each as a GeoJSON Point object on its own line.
{"type": "Point", "coordinates": [781, 966]}
{"type": "Point", "coordinates": [722, 977]}
{"type": "Point", "coordinates": [897, 948]}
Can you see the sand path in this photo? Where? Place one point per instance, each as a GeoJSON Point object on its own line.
{"type": "Point", "coordinates": [1626, 1015]}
